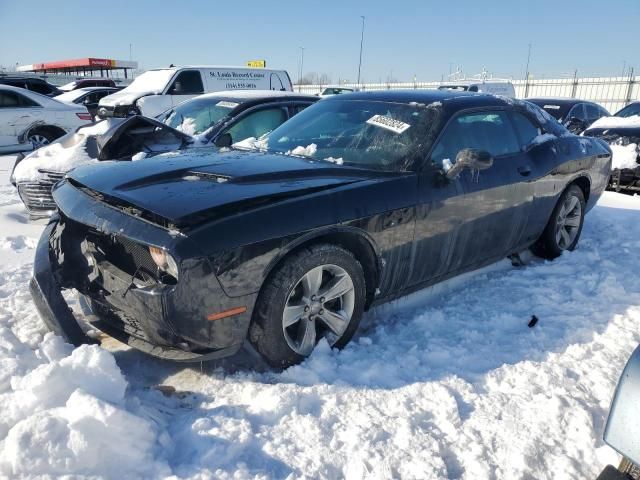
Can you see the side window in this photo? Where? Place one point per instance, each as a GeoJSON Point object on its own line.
{"type": "Point", "coordinates": [473, 88]}
{"type": "Point", "coordinates": [593, 112]}
{"type": "Point", "coordinates": [525, 128]}
{"type": "Point", "coordinates": [9, 100]}
{"type": "Point", "coordinates": [489, 131]}
{"type": "Point", "coordinates": [578, 112]}
{"type": "Point", "coordinates": [257, 123]}
{"type": "Point", "coordinates": [187, 83]}
{"type": "Point", "coordinates": [26, 101]}
{"type": "Point", "coordinates": [275, 83]}
{"type": "Point", "coordinates": [296, 109]}
{"type": "Point", "coordinates": [39, 87]}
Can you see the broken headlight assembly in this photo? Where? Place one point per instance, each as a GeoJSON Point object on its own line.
{"type": "Point", "coordinates": [164, 261]}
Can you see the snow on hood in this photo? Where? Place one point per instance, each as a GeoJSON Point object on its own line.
{"type": "Point", "coordinates": [624, 156]}
{"type": "Point", "coordinates": [617, 122]}
{"type": "Point", "coordinates": [123, 97]}
{"type": "Point", "coordinates": [62, 155]}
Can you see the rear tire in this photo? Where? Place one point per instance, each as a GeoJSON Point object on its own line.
{"type": "Point", "coordinates": [564, 227]}
{"type": "Point", "coordinates": [318, 292]}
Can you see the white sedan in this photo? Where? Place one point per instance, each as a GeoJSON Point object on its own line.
{"type": "Point", "coordinates": [29, 120]}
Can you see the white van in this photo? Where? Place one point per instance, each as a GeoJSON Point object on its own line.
{"type": "Point", "coordinates": [155, 91]}
{"type": "Point", "coordinates": [493, 86]}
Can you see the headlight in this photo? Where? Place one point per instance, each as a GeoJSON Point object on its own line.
{"type": "Point", "coordinates": [164, 261]}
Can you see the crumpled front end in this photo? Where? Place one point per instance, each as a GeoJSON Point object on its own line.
{"type": "Point", "coordinates": [124, 292]}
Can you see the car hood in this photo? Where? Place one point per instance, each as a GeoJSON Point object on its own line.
{"type": "Point", "coordinates": [123, 97]}
{"type": "Point", "coordinates": [187, 188]}
{"type": "Point", "coordinates": [612, 133]}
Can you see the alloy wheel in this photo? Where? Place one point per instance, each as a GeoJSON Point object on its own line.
{"type": "Point", "coordinates": [320, 305]}
{"type": "Point", "coordinates": [38, 140]}
{"type": "Point", "coordinates": [568, 222]}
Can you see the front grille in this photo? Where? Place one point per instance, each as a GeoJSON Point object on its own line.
{"type": "Point", "coordinates": [36, 196]}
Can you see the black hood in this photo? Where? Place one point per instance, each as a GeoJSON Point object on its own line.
{"type": "Point", "coordinates": [189, 187]}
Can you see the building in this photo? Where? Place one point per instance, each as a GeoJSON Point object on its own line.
{"type": "Point", "coordinates": [93, 67]}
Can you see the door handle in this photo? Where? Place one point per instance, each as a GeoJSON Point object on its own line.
{"type": "Point", "coordinates": [525, 170]}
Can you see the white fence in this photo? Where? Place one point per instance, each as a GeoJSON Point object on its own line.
{"type": "Point", "coordinates": [612, 93]}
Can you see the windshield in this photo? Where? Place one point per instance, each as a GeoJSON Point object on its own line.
{"type": "Point", "coordinates": [195, 116]}
{"type": "Point", "coordinates": [152, 81]}
{"type": "Point", "coordinates": [629, 110]}
{"type": "Point", "coordinates": [368, 134]}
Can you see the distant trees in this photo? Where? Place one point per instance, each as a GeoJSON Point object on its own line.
{"type": "Point", "coordinates": [313, 78]}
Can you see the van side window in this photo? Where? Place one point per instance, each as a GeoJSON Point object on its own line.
{"type": "Point", "coordinates": [188, 82]}
{"type": "Point", "coordinates": [490, 131]}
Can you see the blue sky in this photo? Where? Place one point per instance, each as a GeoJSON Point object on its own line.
{"type": "Point", "coordinates": [402, 38]}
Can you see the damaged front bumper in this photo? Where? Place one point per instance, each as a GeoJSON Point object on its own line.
{"type": "Point", "coordinates": [84, 248]}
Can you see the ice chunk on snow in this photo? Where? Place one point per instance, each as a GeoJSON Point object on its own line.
{"type": "Point", "coordinates": [307, 151]}
{"type": "Point", "coordinates": [625, 156]}
{"type": "Point", "coordinates": [251, 143]}
{"type": "Point", "coordinates": [447, 164]}
{"type": "Point", "coordinates": [337, 161]}
{"type": "Point", "coordinates": [139, 156]}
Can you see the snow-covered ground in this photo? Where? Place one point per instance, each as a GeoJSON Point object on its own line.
{"type": "Point", "coordinates": [449, 383]}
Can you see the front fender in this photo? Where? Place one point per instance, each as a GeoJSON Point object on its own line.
{"type": "Point", "coordinates": [623, 425]}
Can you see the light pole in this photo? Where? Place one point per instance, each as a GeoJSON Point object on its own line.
{"type": "Point", "coordinates": [361, 42]}
{"type": "Point", "coordinates": [301, 68]}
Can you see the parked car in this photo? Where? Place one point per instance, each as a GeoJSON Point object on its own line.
{"type": "Point", "coordinates": [88, 82]}
{"type": "Point", "coordinates": [337, 90]}
{"type": "Point", "coordinates": [155, 91]}
{"type": "Point", "coordinates": [573, 113]}
{"type": "Point", "coordinates": [29, 120]}
{"type": "Point", "coordinates": [622, 431]}
{"type": "Point", "coordinates": [494, 87]}
{"type": "Point", "coordinates": [357, 200]}
{"type": "Point", "coordinates": [622, 133]}
{"type": "Point", "coordinates": [213, 119]}
{"type": "Point", "coordinates": [88, 96]}
{"type": "Point", "coordinates": [34, 84]}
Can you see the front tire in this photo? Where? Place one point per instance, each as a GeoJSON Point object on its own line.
{"type": "Point", "coordinates": [318, 292]}
{"type": "Point", "coordinates": [565, 225]}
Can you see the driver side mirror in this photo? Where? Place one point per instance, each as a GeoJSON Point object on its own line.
{"type": "Point", "coordinates": [223, 140]}
{"type": "Point", "coordinates": [471, 158]}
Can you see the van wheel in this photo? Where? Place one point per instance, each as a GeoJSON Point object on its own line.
{"type": "Point", "coordinates": [318, 292]}
{"type": "Point", "coordinates": [564, 227]}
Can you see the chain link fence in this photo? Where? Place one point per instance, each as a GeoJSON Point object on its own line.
{"type": "Point", "coordinates": [612, 93]}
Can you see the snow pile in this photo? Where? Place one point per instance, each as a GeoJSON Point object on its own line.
{"type": "Point", "coordinates": [447, 383]}
{"type": "Point", "coordinates": [337, 161]}
{"type": "Point", "coordinates": [624, 156]}
{"type": "Point", "coordinates": [252, 143]}
{"type": "Point", "coordinates": [545, 137]}
{"type": "Point", "coordinates": [617, 122]}
{"type": "Point", "coordinates": [62, 155]}
{"type": "Point", "coordinates": [68, 415]}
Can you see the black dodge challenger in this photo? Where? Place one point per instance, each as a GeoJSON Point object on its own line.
{"type": "Point", "coordinates": [357, 200]}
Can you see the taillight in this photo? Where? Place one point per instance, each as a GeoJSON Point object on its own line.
{"type": "Point", "coordinates": [84, 116]}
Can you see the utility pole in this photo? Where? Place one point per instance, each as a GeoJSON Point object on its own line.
{"type": "Point", "coordinates": [361, 42]}
{"type": "Point", "coordinates": [130, 56]}
{"type": "Point", "coordinates": [301, 68]}
{"type": "Point", "coordinates": [527, 69]}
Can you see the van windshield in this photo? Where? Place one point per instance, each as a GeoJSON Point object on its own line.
{"type": "Point", "coordinates": [151, 81]}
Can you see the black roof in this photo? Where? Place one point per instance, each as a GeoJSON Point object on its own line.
{"type": "Point", "coordinates": [468, 99]}
{"type": "Point", "coordinates": [561, 101]}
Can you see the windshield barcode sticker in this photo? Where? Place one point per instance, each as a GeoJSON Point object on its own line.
{"type": "Point", "coordinates": [389, 123]}
{"type": "Point", "coordinates": [225, 104]}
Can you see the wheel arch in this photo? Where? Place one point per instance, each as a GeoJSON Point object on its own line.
{"type": "Point", "coordinates": [43, 127]}
{"type": "Point", "coordinates": [584, 182]}
{"type": "Point", "coordinates": [355, 240]}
